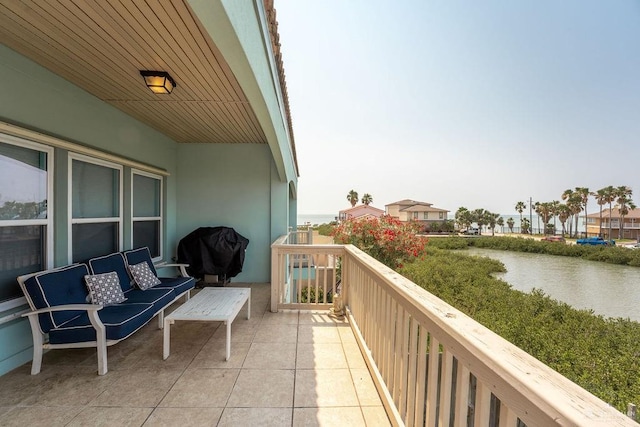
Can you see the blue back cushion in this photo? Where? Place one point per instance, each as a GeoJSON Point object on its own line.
{"type": "Point", "coordinates": [136, 256]}
{"type": "Point", "coordinates": [113, 262]}
{"type": "Point", "coordinates": [58, 287]}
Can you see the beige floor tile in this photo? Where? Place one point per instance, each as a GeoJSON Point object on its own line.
{"type": "Point", "coordinates": [107, 417]}
{"type": "Point", "coordinates": [22, 416]}
{"type": "Point", "coordinates": [72, 386]}
{"type": "Point", "coordinates": [184, 417]}
{"type": "Point", "coordinates": [350, 416]}
{"type": "Point", "coordinates": [375, 416]}
{"type": "Point", "coordinates": [317, 318]}
{"type": "Point", "coordinates": [354, 356]}
{"type": "Point", "coordinates": [201, 388]}
{"type": "Point", "coordinates": [266, 355]}
{"type": "Point", "coordinates": [264, 417]}
{"type": "Point", "coordinates": [242, 330]}
{"type": "Point", "coordinates": [19, 387]}
{"type": "Point", "coordinates": [327, 333]}
{"type": "Point", "coordinates": [328, 387]}
{"type": "Point", "coordinates": [263, 389]}
{"type": "Point", "coordinates": [365, 388]}
{"type": "Point", "coordinates": [281, 318]}
{"type": "Point", "coordinates": [276, 333]}
{"type": "Point", "coordinates": [321, 356]}
{"type": "Point", "coordinates": [214, 353]}
{"type": "Point", "coordinates": [346, 335]}
{"type": "Point", "coordinates": [137, 388]}
{"type": "Point", "coordinates": [69, 357]}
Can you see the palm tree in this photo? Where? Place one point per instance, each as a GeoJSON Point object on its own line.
{"type": "Point", "coordinates": [463, 217]}
{"type": "Point", "coordinates": [524, 226]}
{"type": "Point", "coordinates": [367, 199]}
{"type": "Point", "coordinates": [544, 210]}
{"type": "Point", "coordinates": [601, 199]}
{"type": "Point", "coordinates": [480, 217]}
{"type": "Point", "coordinates": [609, 197]}
{"type": "Point", "coordinates": [583, 193]}
{"type": "Point", "coordinates": [492, 220]}
{"type": "Point", "coordinates": [500, 223]}
{"type": "Point", "coordinates": [352, 197]}
{"type": "Point", "coordinates": [563, 215]}
{"type": "Point", "coordinates": [574, 202]}
{"type": "Point", "coordinates": [520, 207]}
{"type": "Point", "coordinates": [555, 206]}
{"type": "Point", "coordinates": [623, 199]}
{"type": "Point", "coordinates": [510, 222]}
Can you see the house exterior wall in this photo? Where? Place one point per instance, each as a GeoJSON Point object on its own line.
{"type": "Point", "coordinates": [36, 99]}
{"type": "Point", "coordinates": [233, 185]}
{"type": "Point", "coordinates": [243, 186]}
{"type": "Point", "coordinates": [393, 210]}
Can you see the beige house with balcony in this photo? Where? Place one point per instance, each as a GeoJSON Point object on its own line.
{"type": "Point", "coordinates": [630, 226]}
{"type": "Point", "coordinates": [407, 210]}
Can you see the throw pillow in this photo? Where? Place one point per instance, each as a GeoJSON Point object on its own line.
{"type": "Point", "coordinates": [104, 289]}
{"type": "Point", "coordinates": [143, 275]}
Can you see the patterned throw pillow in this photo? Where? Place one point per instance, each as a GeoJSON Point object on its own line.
{"type": "Point", "coordinates": [104, 289]}
{"type": "Point", "coordinates": [143, 275]}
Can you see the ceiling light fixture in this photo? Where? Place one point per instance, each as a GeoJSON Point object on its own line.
{"type": "Point", "coordinates": [158, 81]}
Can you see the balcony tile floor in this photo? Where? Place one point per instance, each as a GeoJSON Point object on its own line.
{"type": "Point", "coordinates": [286, 369]}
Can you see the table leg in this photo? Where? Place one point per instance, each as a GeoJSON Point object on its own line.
{"type": "Point", "coordinates": [228, 323]}
{"type": "Point", "coordinates": [166, 342]}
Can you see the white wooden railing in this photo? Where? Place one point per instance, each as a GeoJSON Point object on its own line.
{"type": "Point", "coordinates": [432, 364]}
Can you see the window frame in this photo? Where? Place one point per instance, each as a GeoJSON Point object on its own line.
{"type": "Point", "coordinates": [47, 222]}
{"type": "Point", "coordinates": [161, 209]}
{"type": "Point", "coordinates": [100, 220]}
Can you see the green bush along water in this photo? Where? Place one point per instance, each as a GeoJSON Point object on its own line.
{"type": "Point", "coordinates": [600, 354]}
{"type": "Point", "coordinates": [608, 254]}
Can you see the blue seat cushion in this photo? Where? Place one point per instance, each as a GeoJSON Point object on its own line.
{"type": "Point", "coordinates": [120, 321]}
{"type": "Point", "coordinates": [136, 256]}
{"type": "Point", "coordinates": [178, 284]}
{"type": "Point", "coordinates": [61, 286]}
{"type": "Point", "coordinates": [113, 262]}
{"type": "Point", "coordinates": [159, 298]}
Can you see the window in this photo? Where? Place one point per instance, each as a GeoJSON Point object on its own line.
{"type": "Point", "coordinates": [95, 187]}
{"type": "Point", "coordinates": [415, 215]}
{"type": "Point", "coordinates": [441, 215]}
{"type": "Point", "coordinates": [26, 231]}
{"type": "Point", "coordinates": [425, 215]}
{"type": "Point", "coordinates": [146, 216]}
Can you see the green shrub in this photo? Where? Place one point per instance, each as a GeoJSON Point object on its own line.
{"type": "Point", "coordinates": [608, 254]}
{"type": "Point", "coordinates": [599, 354]}
{"type": "Point", "coordinates": [308, 294]}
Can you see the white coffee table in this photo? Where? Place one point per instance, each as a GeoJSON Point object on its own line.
{"type": "Point", "coordinates": [209, 305]}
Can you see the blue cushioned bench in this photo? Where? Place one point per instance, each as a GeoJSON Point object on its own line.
{"type": "Point", "coordinates": [60, 308]}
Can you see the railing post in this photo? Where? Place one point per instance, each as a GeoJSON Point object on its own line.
{"type": "Point", "coordinates": [632, 411]}
{"type": "Point", "coordinates": [275, 278]}
{"type": "Point", "coordinates": [310, 236]}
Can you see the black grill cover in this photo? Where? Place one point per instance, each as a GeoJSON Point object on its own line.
{"type": "Point", "coordinates": [213, 250]}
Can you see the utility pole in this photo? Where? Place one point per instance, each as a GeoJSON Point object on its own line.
{"type": "Point", "coordinates": [531, 214]}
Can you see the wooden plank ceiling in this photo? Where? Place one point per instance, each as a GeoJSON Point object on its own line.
{"type": "Point", "coordinates": [101, 46]}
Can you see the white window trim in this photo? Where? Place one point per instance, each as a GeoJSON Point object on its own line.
{"type": "Point", "coordinates": [151, 218]}
{"type": "Point", "coordinates": [71, 220]}
{"type": "Point", "coordinates": [48, 222]}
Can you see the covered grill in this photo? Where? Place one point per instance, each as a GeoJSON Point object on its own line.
{"type": "Point", "coordinates": [214, 251]}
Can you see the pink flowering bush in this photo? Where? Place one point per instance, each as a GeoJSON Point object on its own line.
{"type": "Point", "coordinates": [387, 239]}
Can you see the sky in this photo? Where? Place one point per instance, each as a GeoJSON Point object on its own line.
{"type": "Point", "coordinates": [478, 104]}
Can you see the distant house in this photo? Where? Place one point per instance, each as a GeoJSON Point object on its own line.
{"type": "Point", "coordinates": [630, 227]}
{"type": "Point", "coordinates": [407, 210]}
{"type": "Point", "coordinates": [361, 211]}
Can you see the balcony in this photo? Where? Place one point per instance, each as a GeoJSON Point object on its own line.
{"type": "Point", "coordinates": [400, 357]}
{"type": "Point", "coordinates": [286, 368]}
{"type": "Point", "coordinates": [432, 364]}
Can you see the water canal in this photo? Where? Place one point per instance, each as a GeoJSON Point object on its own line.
{"type": "Point", "coordinates": [607, 289]}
